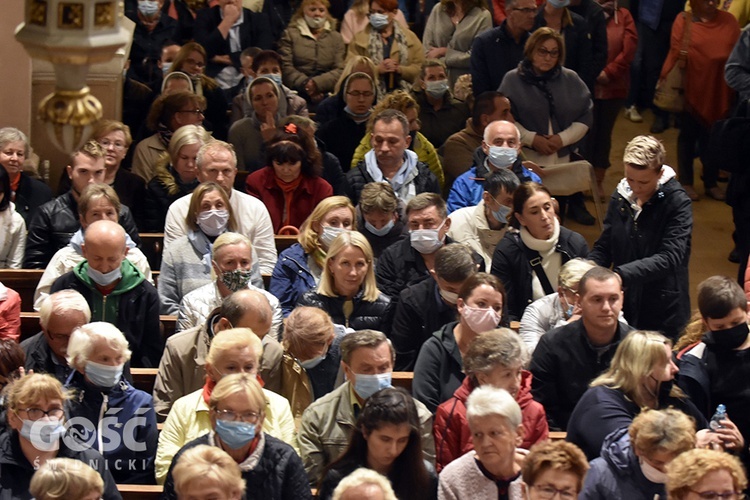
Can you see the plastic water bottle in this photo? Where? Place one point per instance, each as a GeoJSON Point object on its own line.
{"type": "Point", "coordinates": [721, 414]}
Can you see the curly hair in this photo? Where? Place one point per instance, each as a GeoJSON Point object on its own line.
{"type": "Point", "coordinates": [690, 467]}
{"type": "Point", "coordinates": [670, 430]}
{"type": "Point", "coordinates": [554, 455]}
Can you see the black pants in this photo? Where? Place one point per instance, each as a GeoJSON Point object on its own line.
{"type": "Point", "coordinates": [599, 138]}
{"type": "Point", "coordinates": [692, 143]}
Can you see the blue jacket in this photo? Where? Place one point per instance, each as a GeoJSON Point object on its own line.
{"type": "Point", "coordinates": [616, 474]}
{"type": "Point", "coordinates": [291, 278]}
{"type": "Point", "coordinates": [127, 417]}
{"type": "Point", "coordinates": [468, 188]}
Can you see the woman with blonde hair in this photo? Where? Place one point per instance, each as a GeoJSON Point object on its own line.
{"type": "Point", "coordinates": [35, 413]}
{"type": "Point", "coordinates": [237, 409]}
{"type": "Point", "coordinates": [186, 263]}
{"type": "Point", "coordinates": [364, 484]}
{"type": "Point", "coordinates": [311, 359]}
{"type": "Point", "coordinates": [706, 474]}
{"type": "Point", "coordinates": [312, 51]}
{"type": "Point", "coordinates": [98, 352]}
{"type": "Point", "coordinates": [176, 175]}
{"type": "Point", "coordinates": [299, 267]}
{"type": "Point", "coordinates": [96, 202]}
{"type": "Point", "coordinates": [633, 461]}
{"type": "Point", "coordinates": [208, 472]}
{"type": "Point", "coordinates": [233, 353]}
{"type": "Point", "coordinates": [66, 479]}
{"type": "Point", "coordinates": [641, 375]}
{"type": "Point", "coordinates": [347, 290]}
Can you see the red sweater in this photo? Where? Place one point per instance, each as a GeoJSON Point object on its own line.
{"type": "Point", "coordinates": [451, 428]}
{"type": "Point", "coordinates": [622, 41]}
{"type": "Point", "coordinates": [309, 193]}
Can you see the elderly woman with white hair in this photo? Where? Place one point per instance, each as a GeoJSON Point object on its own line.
{"type": "Point", "coordinates": [364, 484]}
{"type": "Point", "coordinates": [646, 240]}
{"type": "Point", "coordinates": [232, 351]}
{"type": "Point", "coordinates": [111, 415]}
{"type": "Point", "coordinates": [492, 469]}
{"type": "Point", "coordinates": [237, 409]}
{"type": "Point", "coordinates": [555, 309]}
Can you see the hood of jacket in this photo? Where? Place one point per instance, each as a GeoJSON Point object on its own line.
{"type": "Point", "coordinates": [131, 277]}
{"type": "Point", "coordinates": [623, 188]}
{"type": "Point", "coordinates": [523, 398]}
{"type": "Point", "coordinates": [618, 453]}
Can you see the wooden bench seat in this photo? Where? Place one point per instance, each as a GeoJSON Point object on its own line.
{"type": "Point", "coordinates": [30, 324]}
{"type": "Point", "coordinates": [140, 491]}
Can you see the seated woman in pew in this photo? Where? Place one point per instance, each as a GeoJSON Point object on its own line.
{"type": "Point", "coordinates": [106, 406]}
{"type": "Point", "coordinates": [36, 435]}
{"type": "Point", "coordinates": [186, 264]}
{"type": "Point", "coordinates": [96, 202]}
{"type": "Point", "coordinates": [12, 226]}
{"type": "Point", "coordinates": [233, 351]}
{"type": "Point", "coordinates": [299, 267]}
{"type": "Point", "coordinates": [207, 472]}
{"type": "Point", "coordinates": [10, 314]}
{"type": "Point", "coordinates": [235, 415]}
{"type": "Point", "coordinates": [66, 479]}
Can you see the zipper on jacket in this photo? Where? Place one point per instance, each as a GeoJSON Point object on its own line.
{"type": "Point", "coordinates": [102, 411]}
{"type": "Point", "coordinates": [104, 308]}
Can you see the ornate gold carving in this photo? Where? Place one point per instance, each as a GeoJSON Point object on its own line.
{"type": "Point", "coordinates": [38, 12]}
{"type": "Point", "coordinates": [70, 107]}
{"type": "Point", "coordinates": [104, 15]}
{"type": "Point", "coordinates": [70, 16]}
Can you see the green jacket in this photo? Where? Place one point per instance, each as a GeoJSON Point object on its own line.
{"type": "Point", "coordinates": [106, 308]}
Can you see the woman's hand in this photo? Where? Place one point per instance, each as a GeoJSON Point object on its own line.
{"type": "Point", "coordinates": [310, 87]}
{"type": "Point", "coordinates": [730, 436]}
{"type": "Point", "coordinates": [541, 145]}
{"type": "Point", "coordinates": [268, 127]}
{"type": "Point", "coordinates": [555, 142]}
{"type": "Point", "coordinates": [387, 66]}
{"type": "Point", "coordinates": [436, 52]}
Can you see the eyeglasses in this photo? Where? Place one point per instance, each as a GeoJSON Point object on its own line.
{"type": "Point", "coordinates": [197, 64]}
{"type": "Point", "coordinates": [526, 10]}
{"type": "Point", "coordinates": [117, 145]}
{"type": "Point", "coordinates": [59, 337]}
{"type": "Point", "coordinates": [548, 492]}
{"type": "Point", "coordinates": [357, 94]}
{"type": "Point", "coordinates": [197, 112]}
{"type": "Point", "coordinates": [554, 54]}
{"type": "Point", "coordinates": [229, 416]}
{"type": "Point", "coordinates": [715, 495]}
{"type": "Point", "coordinates": [37, 413]}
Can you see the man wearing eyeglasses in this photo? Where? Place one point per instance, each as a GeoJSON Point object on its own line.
{"type": "Point", "coordinates": [499, 50]}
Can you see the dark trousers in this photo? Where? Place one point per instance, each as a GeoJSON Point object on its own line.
{"type": "Point", "coordinates": [599, 138]}
{"type": "Point", "coordinates": [653, 47]}
{"type": "Point", "coordinates": [692, 143]}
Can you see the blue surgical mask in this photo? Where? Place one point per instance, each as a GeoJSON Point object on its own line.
{"type": "Point", "coordinates": [382, 231]}
{"type": "Point", "coordinates": [329, 234]}
{"type": "Point", "coordinates": [275, 77]}
{"type": "Point", "coordinates": [437, 89]}
{"type": "Point", "coordinates": [235, 434]}
{"type": "Point", "coordinates": [501, 214]}
{"type": "Point", "coordinates": [165, 67]}
{"type": "Point", "coordinates": [148, 8]}
{"type": "Point", "coordinates": [378, 21]}
{"type": "Point", "coordinates": [502, 157]}
{"type": "Point", "coordinates": [104, 279]}
{"type": "Point", "coordinates": [569, 307]}
{"type": "Point", "coordinates": [43, 434]}
{"type": "Point", "coordinates": [312, 363]}
{"type": "Point", "coordinates": [367, 385]}
{"type": "Point", "coordinates": [559, 4]}
{"type": "Point", "coordinates": [104, 376]}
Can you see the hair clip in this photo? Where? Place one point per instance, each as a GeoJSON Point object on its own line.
{"type": "Point", "coordinates": [290, 128]}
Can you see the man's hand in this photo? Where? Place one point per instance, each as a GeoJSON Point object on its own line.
{"type": "Point", "coordinates": [555, 142]}
{"type": "Point", "coordinates": [437, 52]}
{"type": "Point", "coordinates": [232, 12]}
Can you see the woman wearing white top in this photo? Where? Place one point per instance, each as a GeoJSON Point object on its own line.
{"type": "Point", "coordinates": [12, 228]}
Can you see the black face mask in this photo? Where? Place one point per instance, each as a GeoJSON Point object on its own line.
{"type": "Point", "coordinates": [731, 338]}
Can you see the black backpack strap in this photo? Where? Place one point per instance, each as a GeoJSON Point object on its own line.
{"type": "Point", "coordinates": [535, 261]}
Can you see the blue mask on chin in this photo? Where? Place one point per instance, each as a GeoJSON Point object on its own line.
{"type": "Point", "coordinates": [382, 231]}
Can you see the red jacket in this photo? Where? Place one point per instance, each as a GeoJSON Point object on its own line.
{"type": "Point", "coordinates": [10, 316]}
{"type": "Point", "coordinates": [451, 429]}
{"type": "Point", "coordinates": [309, 193]}
{"type": "Point", "coordinates": [622, 41]}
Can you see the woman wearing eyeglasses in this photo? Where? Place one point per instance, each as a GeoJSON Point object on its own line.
{"type": "Point", "coordinates": [233, 351]}
{"type": "Point", "coordinates": [36, 434]}
{"type": "Point", "coordinates": [706, 475]}
{"type": "Point", "coordinates": [553, 470]}
{"type": "Point", "coordinates": [272, 470]}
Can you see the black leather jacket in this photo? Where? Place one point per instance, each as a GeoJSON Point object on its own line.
{"type": "Point", "coordinates": [365, 315]}
{"type": "Point", "coordinates": [54, 224]}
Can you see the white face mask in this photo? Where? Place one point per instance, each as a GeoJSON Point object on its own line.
{"type": "Point", "coordinates": [315, 23]}
{"type": "Point", "coordinates": [450, 297]}
{"type": "Point", "coordinates": [426, 241]}
{"type": "Point", "coordinates": [213, 222]}
{"type": "Point", "coordinates": [652, 473]}
{"type": "Point", "coordinates": [329, 234]}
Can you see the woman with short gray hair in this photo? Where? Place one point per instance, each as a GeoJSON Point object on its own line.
{"type": "Point", "coordinates": [107, 406]}
{"type": "Point", "coordinates": [27, 193]}
{"type": "Point", "coordinates": [494, 359]}
{"type": "Point", "coordinates": [492, 470]}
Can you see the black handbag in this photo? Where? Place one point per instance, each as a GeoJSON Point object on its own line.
{"type": "Point", "coordinates": [729, 143]}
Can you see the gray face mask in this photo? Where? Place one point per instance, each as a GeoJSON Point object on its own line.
{"type": "Point", "coordinates": [437, 89]}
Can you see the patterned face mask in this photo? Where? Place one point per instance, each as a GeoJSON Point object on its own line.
{"type": "Point", "coordinates": [236, 279]}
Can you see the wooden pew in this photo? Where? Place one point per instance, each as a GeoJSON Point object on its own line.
{"type": "Point", "coordinates": [557, 435]}
{"type": "Point", "coordinates": [23, 281]}
{"type": "Point", "coordinates": [152, 245]}
{"type": "Point", "coordinates": [30, 325]}
{"type": "Point", "coordinates": [140, 491]}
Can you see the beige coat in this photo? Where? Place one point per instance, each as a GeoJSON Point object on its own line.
{"type": "Point", "coordinates": [414, 56]}
{"type": "Point", "coordinates": [327, 425]}
{"type": "Point", "coordinates": [458, 152]}
{"type": "Point", "coordinates": [182, 367]}
{"type": "Point", "coordinates": [469, 226]}
{"type": "Point", "coordinates": [304, 56]}
{"type": "Point", "coordinates": [146, 155]}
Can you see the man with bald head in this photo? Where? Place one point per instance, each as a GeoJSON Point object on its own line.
{"type": "Point", "coordinates": [116, 291]}
{"type": "Point", "coordinates": [501, 146]}
{"type": "Point", "coordinates": [181, 370]}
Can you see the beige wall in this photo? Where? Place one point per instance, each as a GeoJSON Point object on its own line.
{"type": "Point", "coordinates": [15, 78]}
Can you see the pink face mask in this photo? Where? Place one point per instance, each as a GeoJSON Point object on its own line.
{"type": "Point", "coordinates": [481, 320]}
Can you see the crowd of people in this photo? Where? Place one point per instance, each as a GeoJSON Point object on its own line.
{"type": "Point", "coordinates": [405, 151]}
